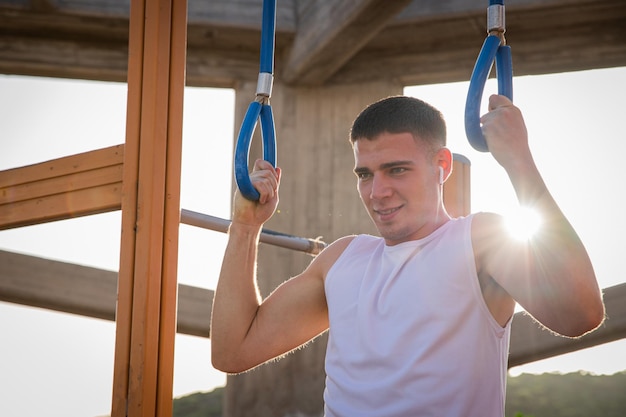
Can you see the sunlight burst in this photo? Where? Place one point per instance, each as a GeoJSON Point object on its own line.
{"type": "Point", "coordinates": [523, 223]}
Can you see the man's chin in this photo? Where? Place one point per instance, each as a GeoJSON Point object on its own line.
{"type": "Point", "coordinates": [392, 236]}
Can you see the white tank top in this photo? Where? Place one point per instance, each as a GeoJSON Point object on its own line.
{"type": "Point", "coordinates": [410, 333]}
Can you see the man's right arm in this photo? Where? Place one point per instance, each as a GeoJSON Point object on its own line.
{"type": "Point", "coordinates": [246, 331]}
{"type": "Point", "coordinates": [236, 298]}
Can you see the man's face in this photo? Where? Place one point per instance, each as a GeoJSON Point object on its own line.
{"type": "Point", "coordinates": [398, 181]}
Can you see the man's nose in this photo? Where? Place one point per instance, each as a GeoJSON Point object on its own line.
{"type": "Point", "coordinates": [380, 188]}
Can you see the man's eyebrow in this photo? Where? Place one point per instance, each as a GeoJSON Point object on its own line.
{"type": "Point", "coordinates": [394, 164]}
{"type": "Point", "coordinates": [386, 165]}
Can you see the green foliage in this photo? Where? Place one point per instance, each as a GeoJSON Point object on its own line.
{"type": "Point", "coordinates": [200, 404]}
{"type": "Point", "coordinates": [569, 395]}
{"type": "Point", "coordinates": [545, 395]}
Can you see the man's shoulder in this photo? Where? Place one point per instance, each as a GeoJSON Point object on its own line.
{"type": "Point", "coordinates": [331, 254]}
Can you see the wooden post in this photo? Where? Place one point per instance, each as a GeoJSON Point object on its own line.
{"type": "Point", "coordinates": [318, 198]}
{"type": "Point", "coordinates": [146, 308]}
{"type": "Point", "coordinates": [456, 190]}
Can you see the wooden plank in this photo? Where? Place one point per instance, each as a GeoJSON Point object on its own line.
{"type": "Point", "coordinates": [86, 291]}
{"type": "Point", "coordinates": [171, 201]}
{"type": "Point", "coordinates": [59, 286]}
{"type": "Point", "coordinates": [331, 32]}
{"type": "Point", "coordinates": [143, 370]}
{"type": "Point", "coordinates": [428, 42]}
{"type": "Point", "coordinates": [241, 14]}
{"type": "Point", "coordinates": [124, 308]}
{"type": "Point", "coordinates": [91, 292]}
{"type": "Point", "coordinates": [100, 158]}
{"type": "Point", "coordinates": [530, 342]}
{"type": "Point", "coordinates": [83, 202]}
{"type": "Point", "coordinates": [444, 48]}
{"type": "Point", "coordinates": [78, 185]}
{"type": "Point", "coordinates": [61, 184]}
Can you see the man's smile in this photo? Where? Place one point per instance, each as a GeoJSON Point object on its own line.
{"type": "Point", "coordinates": [386, 213]}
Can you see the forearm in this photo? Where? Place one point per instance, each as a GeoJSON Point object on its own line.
{"type": "Point", "coordinates": [550, 274]}
{"type": "Point", "coordinates": [555, 231]}
{"type": "Point", "coordinates": [236, 298]}
{"type": "Point", "coordinates": [561, 280]}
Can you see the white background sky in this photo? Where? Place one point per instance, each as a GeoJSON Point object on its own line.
{"type": "Point", "coordinates": [55, 364]}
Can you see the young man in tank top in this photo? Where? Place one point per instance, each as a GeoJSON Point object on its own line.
{"type": "Point", "coordinates": [419, 318]}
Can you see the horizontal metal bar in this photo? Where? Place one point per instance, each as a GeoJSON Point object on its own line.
{"type": "Point", "coordinates": [310, 246]}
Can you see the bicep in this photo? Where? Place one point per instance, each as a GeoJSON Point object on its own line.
{"type": "Point", "coordinates": [294, 313]}
{"type": "Point", "coordinates": [290, 316]}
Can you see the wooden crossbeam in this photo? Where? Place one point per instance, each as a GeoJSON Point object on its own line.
{"type": "Point", "coordinates": [86, 291]}
{"type": "Point", "coordinates": [530, 342]}
{"type": "Point", "coordinates": [77, 185]}
{"type": "Point", "coordinates": [91, 292]}
{"type": "Point", "coordinates": [331, 32]}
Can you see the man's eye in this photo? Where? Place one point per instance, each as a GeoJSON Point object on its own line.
{"type": "Point", "coordinates": [397, 170]}
{"type": "Point", "coordinates": [363, 175]}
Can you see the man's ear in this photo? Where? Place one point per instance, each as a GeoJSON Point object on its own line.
{"type": "Point", "coordinates": [444, 162]}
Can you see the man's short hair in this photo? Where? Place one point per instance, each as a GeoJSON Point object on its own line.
{"type": "Point", "coordinates": [400, 114]}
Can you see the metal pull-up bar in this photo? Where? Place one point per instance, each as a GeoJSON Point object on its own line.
{"type": "Point", "coordinates": [259, 109]}
{"type": "Point", "coordinates": [494, 48]}
{"type": "Point", "coordinates": [310, 246]}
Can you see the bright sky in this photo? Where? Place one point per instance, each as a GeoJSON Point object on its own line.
{"type": "Point", "coordinates": [54, 364]}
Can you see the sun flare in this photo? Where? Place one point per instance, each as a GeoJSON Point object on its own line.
{"type": "Point", "coordinates": [523, 223]}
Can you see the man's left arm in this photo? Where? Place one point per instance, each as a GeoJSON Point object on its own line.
{"type": "Point", "coordinates": [549, 274]}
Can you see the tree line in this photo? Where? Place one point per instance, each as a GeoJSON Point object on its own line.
{"type": "Point", "coordinates": [575, 394]}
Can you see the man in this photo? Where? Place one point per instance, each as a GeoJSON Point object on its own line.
{"type": "Point", "coordinates": [419, 319]}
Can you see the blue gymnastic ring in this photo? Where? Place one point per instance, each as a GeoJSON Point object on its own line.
{"type": "Point", "coordinates": [263, 113]}
{"type": "Point", "coordinates": [491, 51]}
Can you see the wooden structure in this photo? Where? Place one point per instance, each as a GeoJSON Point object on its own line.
{"type": "Point", "coordinates": [352, 53]}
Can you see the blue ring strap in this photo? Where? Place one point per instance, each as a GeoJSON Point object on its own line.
{"type": "Point", "coordinates": [259, 110]}
{"type": "Point", "coordinates": [268, 30]}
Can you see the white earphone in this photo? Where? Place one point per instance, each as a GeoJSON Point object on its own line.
{"type": "Point", "coordinates": [440, 175]}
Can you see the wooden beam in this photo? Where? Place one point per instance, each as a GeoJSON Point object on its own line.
{"type": "Point", "coordinates": [427, 42]}
{"type": "Point", "coordinates": [59, 286]}
{"type": "Point", "coordinates": [330, 32]}
{"type": "Point", "coordinates": [438, 48]}
{"type": "Point", "coordinates": [91, 292]}
{"type": "Point", "coordinates": [85, 291]}
{"type": "Point", "coordinates": [146, 308]}
{"type": "Point", "coordinates": [530, 342]}
{"type": "Point", "coordinates": [77, 185]}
